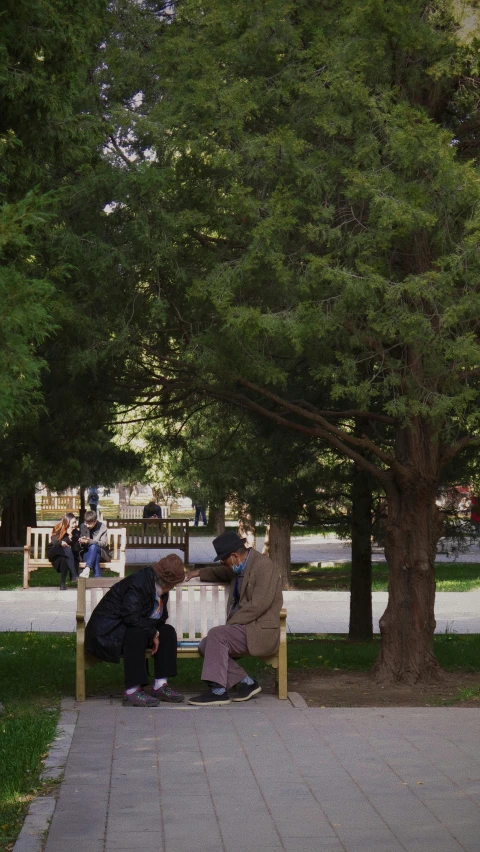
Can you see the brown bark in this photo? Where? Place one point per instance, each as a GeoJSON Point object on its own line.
{"type": "Point", "coordinates": [19, 513]}
{"type": "Point", "coordinates": [81, 492]}
{"type": "Point", "coordinates": [411, 535]}
{"type": "Point", "coordinates": [277, 547]}
{"type": "Point", "coordinates": [246, 529]}
{"type": "Point", "coordinates": [360, 627]}
{"type": "Point", "coordinates": [216, 519]}
{"type": "Point", "coordinates": [124, 495]}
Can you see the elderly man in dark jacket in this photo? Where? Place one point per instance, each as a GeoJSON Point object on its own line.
{"type": "Point", "coordinates": [253, 619]}
{"type": "Point", "coordinates": [131, 618]}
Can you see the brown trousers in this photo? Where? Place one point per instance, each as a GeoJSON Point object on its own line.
{"type": "Point", "coordinates": [218, 648]}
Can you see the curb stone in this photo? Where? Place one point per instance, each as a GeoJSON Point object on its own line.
{"type": "Point", "coordinates": [40, 812]}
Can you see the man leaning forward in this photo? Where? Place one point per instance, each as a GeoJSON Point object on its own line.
{"type": "Point", "coordinates": [253, 619]}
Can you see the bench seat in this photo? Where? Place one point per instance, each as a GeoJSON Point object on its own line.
{"type": "Point", "coordinates": [193, 610]}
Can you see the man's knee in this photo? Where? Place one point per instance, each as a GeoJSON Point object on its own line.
{"type": "Point", "coordinates": [217, 636]}
{"type": "Point", "coordinates": [135, 635]}
{"type": "Point", "coordinates": [168, 634]}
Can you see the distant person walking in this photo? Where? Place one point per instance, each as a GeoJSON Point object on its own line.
{"type": "Point", "coordinates": [92, 498]}
{"type": "Point", "coordinates": [199, 513]}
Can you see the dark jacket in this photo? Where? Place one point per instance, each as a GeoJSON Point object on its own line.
{"type": "Point", "coordinates": [149, 511]}
{"type": "Point", "coordinates": [56, 550]}
{"type": "Point", "coordinates": [128, 603]}
{"type": "Point", "coordinates": [98, 535]}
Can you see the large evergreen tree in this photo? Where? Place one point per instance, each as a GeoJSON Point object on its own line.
{"type": "Point", "coordinates": [302, 202]}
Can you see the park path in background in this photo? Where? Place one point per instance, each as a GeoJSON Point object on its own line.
{"type": "Point", "coordinates": [49, 610]}
{"type": "Point", "coordinates": [271, 776]}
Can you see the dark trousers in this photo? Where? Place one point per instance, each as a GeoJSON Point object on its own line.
{"type": "Point", "coordinates": [135, 643]}
{"type": "Point", "coordinates": [65, 564]}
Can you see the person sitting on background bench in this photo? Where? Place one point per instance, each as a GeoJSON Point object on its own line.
{"type": "Point", "coordinates": [63, 551]}
{"type": "Point", "coordinates": [131, 618]}
{"type": "Point", "coordinates": [94, 544]}
{"type": "Point", "coordinates": [253, 619]}
{"type": "Point", "coordinates": [152, 510]}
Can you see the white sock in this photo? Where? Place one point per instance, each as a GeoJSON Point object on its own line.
{"type": "Point", "coordinates": [248, 680]}
{"type": "Point", "coordinates": [159, 681]}
{"type": "Point", "coordinates": [132, 689]}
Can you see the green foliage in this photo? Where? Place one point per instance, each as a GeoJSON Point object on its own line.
{"type": "Point", "coordinates": [308, 201]}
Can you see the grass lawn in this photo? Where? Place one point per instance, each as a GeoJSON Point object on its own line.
{"type": "Point", "coordinates": [451, 576]}
{"type": "Point", "coordinates": [37, 669]}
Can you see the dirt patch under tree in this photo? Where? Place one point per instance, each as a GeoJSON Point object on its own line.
{"type": "Point", "coordinates": [326, 688]}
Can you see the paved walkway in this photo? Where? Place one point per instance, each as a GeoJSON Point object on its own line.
{"type": "Point", "coordinates": [49, 610]}
{"type": "Point", "coordinates": [268, 777]}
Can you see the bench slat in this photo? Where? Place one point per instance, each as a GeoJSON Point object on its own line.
{"type": "Point", "coordinates": [191, 612]}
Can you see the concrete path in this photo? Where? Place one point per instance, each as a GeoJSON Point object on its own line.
{"type": "Point", "coordinates": [49, 610]}
{"type": "Point", "coordinates": [306, 548]}
{"type": "Point", "coordinates": [268, 777]}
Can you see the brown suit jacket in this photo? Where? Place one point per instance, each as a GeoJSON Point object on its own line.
{"type": "Point", "coordinates": [261, 600]}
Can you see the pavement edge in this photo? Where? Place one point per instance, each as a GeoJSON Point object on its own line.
{"type": "Point", "coordinates": [37, 821]}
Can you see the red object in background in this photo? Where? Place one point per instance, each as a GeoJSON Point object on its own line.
{"type": "Point", "coordinates": [475, 509]}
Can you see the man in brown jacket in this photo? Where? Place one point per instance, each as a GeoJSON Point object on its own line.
{"type": "Point", "coordinates": [253, 619]}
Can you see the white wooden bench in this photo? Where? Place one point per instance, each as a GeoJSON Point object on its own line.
{"type": "Point", "coordinates": [59, 505]}
{"type": "Point", "coordinates": [35, 551]}
{"type": "Point", "coordinates": [192, 609]}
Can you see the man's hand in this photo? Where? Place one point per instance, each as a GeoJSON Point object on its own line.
{"type": "Point", "coordinates": [65, 544]}
{"type": "Point", "coordinates": [156, 643]}
{"type": "Point", "coordinates": [191, 574]}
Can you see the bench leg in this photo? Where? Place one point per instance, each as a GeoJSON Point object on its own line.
{"type": "Point", "coordinates": [80, 683]}
{"type": "Point", "coordinates": [281, 673]}
{"type": "Point", "coordinates": [26, 573]}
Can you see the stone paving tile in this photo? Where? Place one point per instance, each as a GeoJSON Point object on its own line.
{"type": "Point", "coordinates": [310, 781]}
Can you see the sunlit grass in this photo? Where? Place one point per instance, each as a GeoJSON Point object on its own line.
{"type": "Point", "coordinates": [450, 576]}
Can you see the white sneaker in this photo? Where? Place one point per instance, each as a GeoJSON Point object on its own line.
{"type": "Point", "coordinates": [85, 573]}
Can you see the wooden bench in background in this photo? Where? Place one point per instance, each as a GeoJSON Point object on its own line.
{"type": "Point", "coordinates": [134, 512]}
{"type": "Point", "coordinates": [155, 533]}
{"type": "Point", "coordinates": [35, 551]}
{"type": "Point", "coordinates": [192, 609]}
{"type": "Point", "coordinates": [59, 505]}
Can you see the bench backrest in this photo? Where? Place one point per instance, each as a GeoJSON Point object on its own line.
{"type": "Point", "coordinates": [39, 537]}
{"type": "Point", "coordinates": [129, 512]}
{"type": "Point", "coordinates": [192, 609]}
{"type": "Point", "coordinates": [61, 503]}
{"type": "Point", "coordinates": [154, 533]}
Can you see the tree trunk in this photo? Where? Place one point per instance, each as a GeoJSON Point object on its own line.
{"type": "Point", "coordinates": [360, 627]}
{"type": "Point", "coordinates": [124, 496]}
{"type": "Point", "coordinates": [246, 529]}
{"type": "Point", "coordinates": [81, 492]}
{"type": "Point", "coordinates": [216, 519]}
{"type": "Point", "coordinates": [277, 547]}
{"type": "Point", "coordinates": [408, 623]}
{"type": "Point", "coordinates": [212, 511]}
{"type": "Point", "coordinates": [17, 515]}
